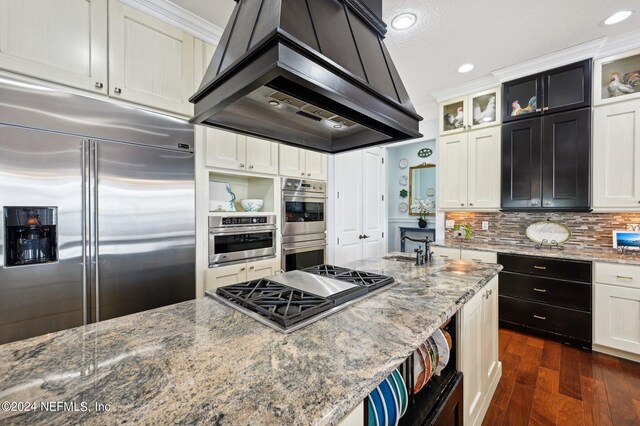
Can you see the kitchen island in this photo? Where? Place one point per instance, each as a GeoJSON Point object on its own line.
{"type": "Point", "coordinates": [201, 361]}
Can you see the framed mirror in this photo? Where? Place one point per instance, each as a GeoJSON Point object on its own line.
{"type": "Point", "coordinates": [422, 185]}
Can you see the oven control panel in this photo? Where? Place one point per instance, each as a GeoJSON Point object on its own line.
{"type": "Point", "coordinates": [244, 220]}
{"type": "Point", "coordinates": [302, 185]}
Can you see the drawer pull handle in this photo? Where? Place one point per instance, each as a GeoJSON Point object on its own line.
{"type": "Point", "coordinates": [622, 277]}
{"type": "Point", "coordinates": [541, 290]}
{"type": "Point", "coordinates": [539, 317]}
{"type": "Point", "coordinates": [477, 260]}
{"type": "Point", "coordinates": [540, 267]}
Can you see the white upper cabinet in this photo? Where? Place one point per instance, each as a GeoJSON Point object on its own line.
{"type": "Point", "coordinates": [228, 150]}
{"type": "Point", "coordinates": [301, 163]}
{"type": "Point", "coordinates": [452, 171]}
{"type": "Point", "coordinates": [262, 156]}
{"type": "Point", "coordinates": [470, 112]}
{"type": "Point", "coordinates": [469, 170]}
{"type": "Point", "coordinates": [62, 41]}
{"type": "Point", "coordinates": [483, 180]}
{"type": "Point", "coordinates": [616, 156]}
{"type": "Point", "coordinates": [150, 62]}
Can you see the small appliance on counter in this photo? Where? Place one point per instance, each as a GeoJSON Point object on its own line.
{"type": "Point", "coordinates": [289, 301]}
{"type": "Point", "coordinates": [31, 235]}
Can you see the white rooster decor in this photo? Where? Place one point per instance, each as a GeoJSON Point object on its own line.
{"type": "Point", "coordinates": [486, 115]}
{"type": "Point", "coordinates": [629, 83]}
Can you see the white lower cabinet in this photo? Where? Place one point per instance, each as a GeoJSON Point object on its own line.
{"type": "Point", "coordinates": [234, 274]}
{"type": "Point", "coordinates": [465, 254]}
{"type": "Point", "coordinates": [478, 348]}
{"type": "Point", "coordinates": [616, 312]}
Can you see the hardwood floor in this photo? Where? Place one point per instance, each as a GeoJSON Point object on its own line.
{"type": "Point", "coordinates": [548, 383]}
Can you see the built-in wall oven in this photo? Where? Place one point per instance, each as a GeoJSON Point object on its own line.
{"type": "Point", "coordinates": [304, 230]}
{"type": "Point", "coordinates": [239, 239]}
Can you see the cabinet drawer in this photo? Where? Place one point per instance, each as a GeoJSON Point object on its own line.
{"type": "Point", "coordinates": [573, 270]}
{"type": "Point", "coordinates": [617, 274]}
{"type": "Point", "coordinates": [566, 322]}
{"type": "Point", "coordinates": [479, 256]}
{"type": "Point", "coordinates": [446, 252]}
{"type": "Point", "coordinates": [565, 294]}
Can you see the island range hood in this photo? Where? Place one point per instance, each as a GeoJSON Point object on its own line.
{"type": "Point", "coordinates": [309, 73]}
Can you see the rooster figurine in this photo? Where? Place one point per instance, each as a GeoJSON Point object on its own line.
{"type": "Point", "coordinates": [624, 86]}
{"type": "Point", "coordinates": [458, 120]}
{"type": "Point", "coordinates": [517, 110]}
{"type": "Point", "coordinates": [489, 113]}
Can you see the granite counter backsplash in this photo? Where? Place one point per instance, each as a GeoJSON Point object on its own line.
{"type": "Point", "coordinates": [589, 230]}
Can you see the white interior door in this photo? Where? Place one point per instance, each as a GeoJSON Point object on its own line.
{"type": "Point", "coordinates": [348, 211]}
{"type": "Point", "coordinates": [372, 202]}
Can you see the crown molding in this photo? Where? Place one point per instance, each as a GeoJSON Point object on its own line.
{"type": "Point", "coordinates": [175, 15]}
{"type": "Point", "coordinates": [550, 61]}
{"type": "Point", "coordinates": [598, 48]}
{"type": "Point", "coordinates": [477, 85]}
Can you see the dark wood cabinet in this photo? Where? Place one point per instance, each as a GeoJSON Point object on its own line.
{"type": "Point", "coordinates": [548, 297]}
{"type": "Point", "coordinates": [546, 162]}
{"type": "Point", "coordinates": [560, 89]}
{"type": "Point", "coordinates": [566, 159]}
{"type": "Point", "coordinates": [521, 164]}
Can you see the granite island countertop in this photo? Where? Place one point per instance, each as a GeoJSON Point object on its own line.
{"type": "Point", "coordinates": [569, 252]}
{"type": "Point", "coordinates": [203, 362]}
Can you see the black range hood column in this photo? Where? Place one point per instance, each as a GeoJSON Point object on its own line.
{"type": "Point", "coordinates": [309, 73]}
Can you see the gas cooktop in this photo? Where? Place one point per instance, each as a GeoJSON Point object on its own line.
{"type": "Point", "coordinates": [292, 300]}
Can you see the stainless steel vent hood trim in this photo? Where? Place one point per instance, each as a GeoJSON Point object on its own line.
{"type": "Point", "coordinates": [298, 58]}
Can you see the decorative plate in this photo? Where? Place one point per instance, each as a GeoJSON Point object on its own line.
{"type": "Point", "coordinates": [425, 152]}
{"type": "Point", "coordinates": [403, 207]}
{"type": "Point", "coordinates": [403, 163]}
{"type": "Point", "coordinates": [403, 180]}
{"type": "Point", "coordinates": [547, 232]}
{"type": "Point", "coordinates": [403, 193]}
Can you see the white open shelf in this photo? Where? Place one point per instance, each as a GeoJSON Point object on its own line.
{"type": "Point", "coordinates": [243, 187]}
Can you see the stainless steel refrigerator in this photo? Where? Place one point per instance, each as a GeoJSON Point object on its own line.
{"type": "Point", "coordinates": [98, 210]}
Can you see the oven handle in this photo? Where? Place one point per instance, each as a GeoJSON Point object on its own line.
{"type": "Point", "coordinates": [306, 198]}
{"type": "Point", "coordinates": [241, 229]}
{"type": "Point", "coordinates": [303, 248]}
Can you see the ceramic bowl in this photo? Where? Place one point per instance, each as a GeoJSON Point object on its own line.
{"type": "Point", "coordinates": [252, 204]}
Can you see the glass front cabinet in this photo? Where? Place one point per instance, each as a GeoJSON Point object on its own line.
{"type": "Point", "coordinates": [617, 78]}
{"type": "Point", "coordinates": [470, 112]}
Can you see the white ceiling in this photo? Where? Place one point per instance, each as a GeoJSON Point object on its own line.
{"type": "Point", "coordinates": [489, 34]}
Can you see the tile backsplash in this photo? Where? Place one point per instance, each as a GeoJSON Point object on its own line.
{"type": "Point", "coordinates": [589, 230]}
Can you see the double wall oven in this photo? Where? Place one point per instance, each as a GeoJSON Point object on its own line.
{"type": "Point", "coordinates": [304, 229]}
{"type": "Point", "coordinates": [240, 239]}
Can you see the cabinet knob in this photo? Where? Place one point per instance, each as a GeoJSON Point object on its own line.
{"type": "Point", "coordinates": [534, 202]}
{"type": "Point", "coordinates": [252, 267]}
{"type": "Point", "coordinates": [99, 85]}
{"type": "Point", "coordinates": [471, 204]}
{"type": "Point", "coordinates": [251, 166]}
{"type": "Point", "coordinates": [308, 174]}
{"type": "Point", "coordinates": [302, 174]}
{"type": "Point", "coordinates": [545, 109]}
{"type": "Point", "coordinates": [117, 90]}
{"type": "Point", "coordinates": [241, 165]}
{"type": "Point", "coordinates": [462, 204]}
{"type": "Point", "coordinates": [243, 268]}
{"type": "Point", "coordinates": [547, 203]}
{"type": "Point", "coordinates": [538, 109]}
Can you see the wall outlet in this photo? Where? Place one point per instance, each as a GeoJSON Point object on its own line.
{"type": "Point", "coordinates": [449, 224]}
{"type": "Point", "coordinates": [632, 227]}
{"type": "Point", "coordinates": [485, 225]}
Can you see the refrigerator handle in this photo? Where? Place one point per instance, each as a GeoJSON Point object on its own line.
{"type": "Point", "coordinates": [85, 224]}
{"type": "Point", "coordinates": [96, 239]}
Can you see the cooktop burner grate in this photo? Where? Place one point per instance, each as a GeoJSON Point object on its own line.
{"type": "Point", "coordinates": [279, 303]}
{"type": "Point", "coordinates": [326, 270]}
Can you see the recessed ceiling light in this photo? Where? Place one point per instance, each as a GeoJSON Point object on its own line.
{"type": "Point", "coordinates": [617, 17]}
{"type": "Point", "coordinates": [465, 68]}
{"type": "Point", "coordinates": [403, 21]}
{"type": "Point", "coordinates": [274, 103]}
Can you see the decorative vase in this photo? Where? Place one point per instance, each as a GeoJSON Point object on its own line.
{"type": "Point", "coordinates": [422, 223]}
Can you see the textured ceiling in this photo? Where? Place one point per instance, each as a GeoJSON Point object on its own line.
{"type": "Point", "coordinates": [490, 34]}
